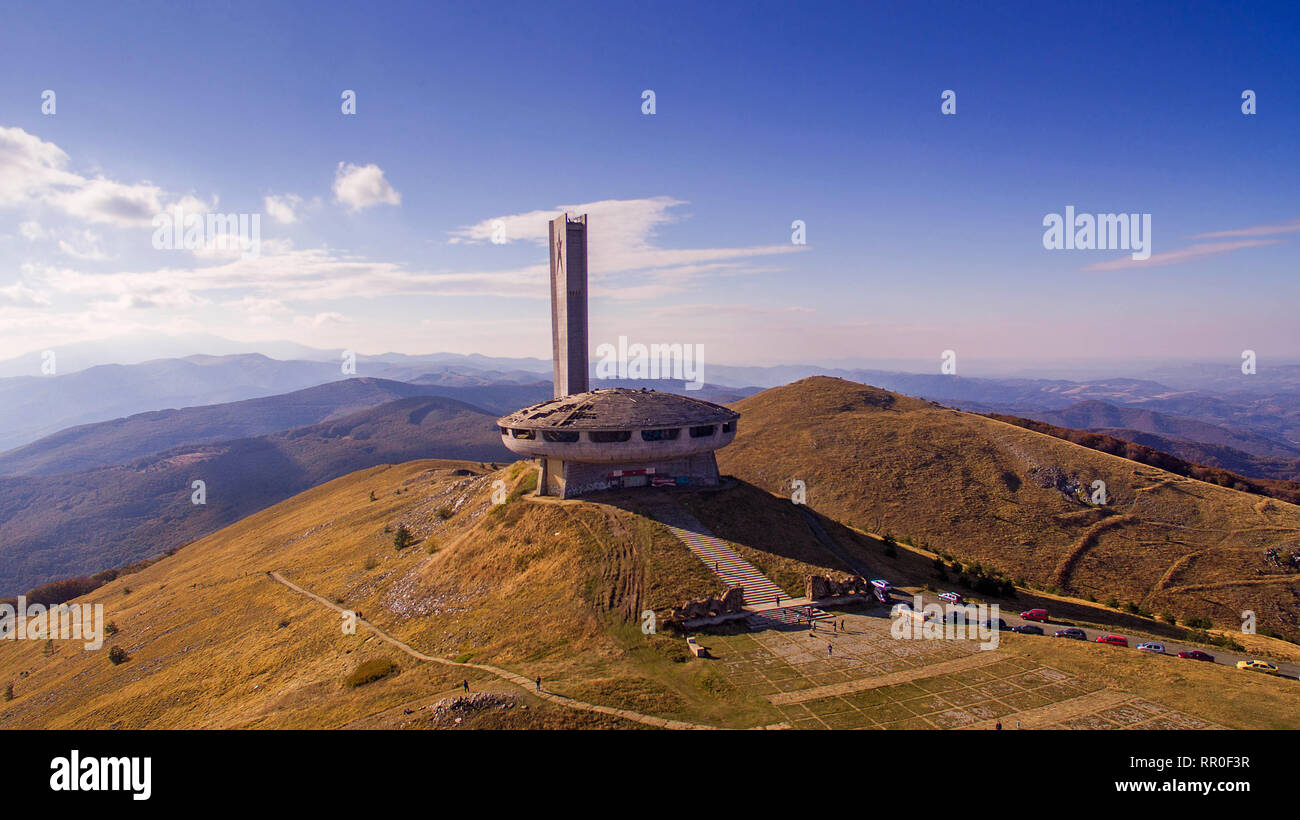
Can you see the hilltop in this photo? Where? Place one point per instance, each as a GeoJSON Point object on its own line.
{"type": "Point", "coordinates": [1010, 498]}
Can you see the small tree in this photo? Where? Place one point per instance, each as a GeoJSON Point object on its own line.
{"type": "Point", "coordinates": [118, 655]}
{"type": "Point", "coordinates": [403, 538]}
{"type": "Point", "coordinates": [9, 691]}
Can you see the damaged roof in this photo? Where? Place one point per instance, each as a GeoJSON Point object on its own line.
{"type": "Point", "coordinates": [618, 408]}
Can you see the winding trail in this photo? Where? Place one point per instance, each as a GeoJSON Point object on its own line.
{"type": "Point", "coordinates": [518, 680]}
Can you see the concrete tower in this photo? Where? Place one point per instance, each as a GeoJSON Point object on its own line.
{"type": "Point", "coordinates": [569, 304]}
{"type": "Point", "coordinates": [613, 438]}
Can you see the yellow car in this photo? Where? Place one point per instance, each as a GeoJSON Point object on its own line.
{"type": "Point", "coordinates": [1257, 666]}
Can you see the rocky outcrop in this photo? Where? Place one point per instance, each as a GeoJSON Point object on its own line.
{"type": "Point", "coordinates": [732, 602]}
{"type": "Point", "coordinates": [817, 587]}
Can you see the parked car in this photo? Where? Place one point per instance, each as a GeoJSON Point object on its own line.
{"type": "Point", "coordinates": [1152, 646]}
{"type": "Point", "coordinates": [950, 597]}
{"type": "Point", "coordinates": [1028, 629]}
{"type": "Point", "coordinates": [1113, 640]}
{"type": "Point", "coordinates": [1257, 666]}
{"type": "Point", "coordinates": [994, 623]}
{"type": "Point", "coordinates": [882, 585]}
{"type": "Point", "coordinates": [1196, 655]}
{"type": "Point", "coordinates": [1071, 632]}
{"type": "Point", "coordinates": [952, 616]}
{"type": "Point", "coordinates": [1035, 615]}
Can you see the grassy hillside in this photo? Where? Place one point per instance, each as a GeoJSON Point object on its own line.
{"type": "Point", "coordinates": [983, 490]}
{"type": "Point", "coordinates": [539, 588]}
{"type": "Point", "coordinates": [78, 523]}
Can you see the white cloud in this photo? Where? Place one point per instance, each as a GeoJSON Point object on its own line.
{"type": "Point", "coordinates": [283, 208]}
{"type": "Point", "coordinates": [34, 172]}
{"type": "Point", "coordinates": [328, 319]}
{"type": "Point", "coordinates": [20, 295]}
{"type": "Point", "coordinates": [362, 186]}
{"type": "Point", "coordinates": [82, 245]}
{"type": "Point", "coordinates": [33, 231]}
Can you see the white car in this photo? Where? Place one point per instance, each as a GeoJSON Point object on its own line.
{"type": "Point", "coordinates": [950, 597]}
{"type": "Point", "coordinates": [881, 584]}
{"type": "Point", "coordinates": [1152, 646]}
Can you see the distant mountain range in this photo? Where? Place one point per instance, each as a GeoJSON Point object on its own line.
{"type": "Point", "coordinates": [54, 526]}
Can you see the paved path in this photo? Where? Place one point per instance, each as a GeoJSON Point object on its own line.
{"type": "Point", "coordinates": [1053, 713]}
{"type": "Point", "coordinates": [518, 680]}
{"type": "Point", "coordinates": [892, 679]}
{"type": "Point", "coordinates": [717, 555]}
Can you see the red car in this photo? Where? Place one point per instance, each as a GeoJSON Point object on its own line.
{"type": "Point", "coordinates": [1035, 615]}
{"type": "Point", "coordinates": [1196, 655]}
{"type": "Point", "coordinates": [1113, 640]}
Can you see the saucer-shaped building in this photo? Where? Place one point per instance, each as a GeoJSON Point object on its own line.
{"type": "Point", "coordinates": [620, 437]}
{"type": "Point", "coordinates": [588, 440]}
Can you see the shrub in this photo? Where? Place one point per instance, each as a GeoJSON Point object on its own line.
{"type": "Point", "coordinates": [9, 691]}
{"type": "Point", "coordinates": [1199, 623]}
{"type": "Point", "coordinates": [1169, 618]}
{"type": "Point", "coordinates": [118, 655]}
{"type": "Point", "coordinates": [444, 513]}
{"type": "Point", "coordinates": [110, 629]}
{"type": "Point", "coordinates": [403, 538]}
{"type": "Point", "coordinates": [372, 562]}
{"type": "Point", "coordinates": [371, 671]}
{"type": "Point", "coordinates": [1112, 602]}
{"type": "Point", "coordinates": [372, 496]}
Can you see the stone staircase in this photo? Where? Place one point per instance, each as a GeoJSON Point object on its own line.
{"type": "Point", "coordinates": [718, 555]}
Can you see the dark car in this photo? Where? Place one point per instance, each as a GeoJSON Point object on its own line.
{"type": "Point", "coordinates": [1028, 629]}
{"type": "Point", "coordinates": [1071, 632]}
{"type": "Point", "coordinates": [1196, 655]}
{"type": "Point", "coordinates": [994, 623]}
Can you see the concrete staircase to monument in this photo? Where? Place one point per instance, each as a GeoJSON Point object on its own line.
{"type": "Point", "coordinates": [718, 555]}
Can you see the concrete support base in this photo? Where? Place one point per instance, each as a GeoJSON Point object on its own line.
{"type": "Point", "coordinates": [568, 479]}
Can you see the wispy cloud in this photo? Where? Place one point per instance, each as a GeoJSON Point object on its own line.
{"type": "Point", "coordinates": [1192, 253]}
{"type": "Point", "coordinates": [1258, 230]}
{"type": "Point", "coordinates": [623, 241]}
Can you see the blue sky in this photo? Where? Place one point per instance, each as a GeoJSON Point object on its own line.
{"type": "Point", "coordinates": [924, 231]}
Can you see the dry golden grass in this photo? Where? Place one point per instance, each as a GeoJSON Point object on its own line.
{"type": "Point", "coordinates": [1219, 694]}
{"type": "Point", "coordinates": [550, 589]}
{"type": "Point", "coordinates": [965, 484]}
